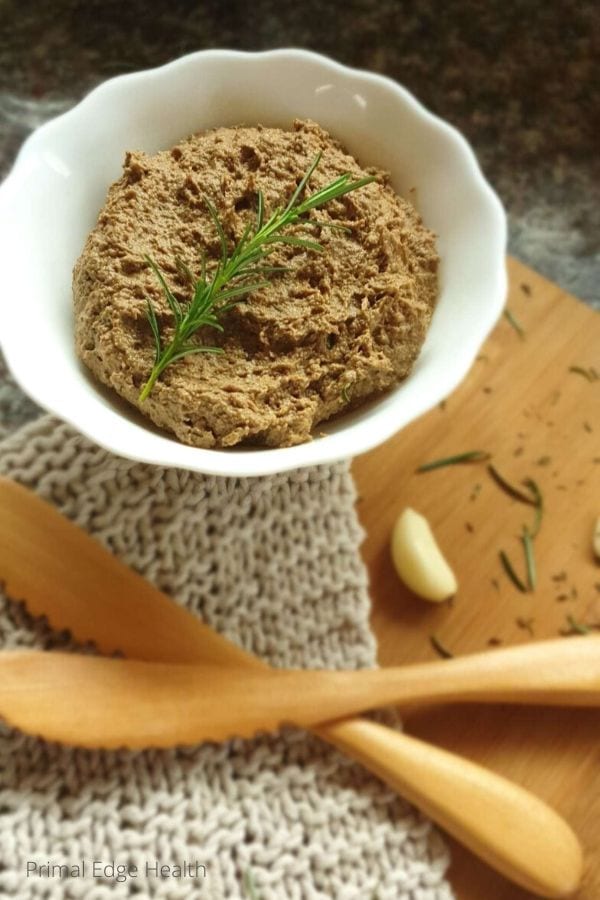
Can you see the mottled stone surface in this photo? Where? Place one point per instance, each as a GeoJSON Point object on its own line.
{"type": "Point", "coordinates": [519, 79]}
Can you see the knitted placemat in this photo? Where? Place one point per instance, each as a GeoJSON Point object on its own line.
{"type": "Point", "coordinates": [273, 564]}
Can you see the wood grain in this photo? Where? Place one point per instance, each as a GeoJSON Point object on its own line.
{"type": "Point", "coordinates": [539, 420]}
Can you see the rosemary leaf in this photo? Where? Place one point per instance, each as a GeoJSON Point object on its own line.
{"type": "Point", "coordinates": [576, 627]}
{"type": "Point", "coordinates": [470, 456]}
{"type": "Point", "coordinates": [440, 648]}
{"type": "Point", "coordinates": [590, 373]}
{"type": "Point", "coordinates": [249, 885]}
{"type": "Point", "coordinates": [345, 393]}
{"type": "Point", "coordinates": [510, 317]}
{"type": "Point", "coordinates": [508, 488]}
{"type": "Point", "coordinates": [539, 505]}
{"type": "Point", "coordinates": [508, 568]}
{"type": "Point", "coordinates": [529, 559]}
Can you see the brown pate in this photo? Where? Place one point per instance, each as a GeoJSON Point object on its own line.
{"type": "Point", "coordinates": [337, 328]}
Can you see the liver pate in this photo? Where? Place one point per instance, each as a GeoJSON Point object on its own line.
{"type": "Point", "coordinates": [335, 329]}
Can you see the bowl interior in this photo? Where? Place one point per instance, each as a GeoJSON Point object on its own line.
{"type": "Point", "coordinates": [52, 198]}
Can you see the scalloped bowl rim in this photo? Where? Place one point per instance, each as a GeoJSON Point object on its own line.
{"type": "Point", "coordinates": [370, 425]}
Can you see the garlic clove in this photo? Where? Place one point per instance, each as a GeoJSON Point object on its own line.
{"type": "Point", "coordinates": [418, 560]}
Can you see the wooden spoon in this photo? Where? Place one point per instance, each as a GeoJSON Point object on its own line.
{"type": "Point", "coordinates": [67, 576]}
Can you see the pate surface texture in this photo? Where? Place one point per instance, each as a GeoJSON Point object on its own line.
{"type": "Point", "coordinates": [321, 338]}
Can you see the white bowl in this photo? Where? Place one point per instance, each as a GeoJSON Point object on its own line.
{"type": "Point", "coordinates": [51, 199]}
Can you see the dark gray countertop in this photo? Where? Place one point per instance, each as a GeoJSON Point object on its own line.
{"type": "Point", "coordinates": [519, 79]}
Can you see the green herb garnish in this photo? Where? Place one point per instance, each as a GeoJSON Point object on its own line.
{"type": "Point", "coordinates": [509, 488]}
{"type": "Point", "coordinates": [529, 559]}
{"type": "Point", "coordinates": [576, 627]}
{"type": "Point", "coordinates": [239, 271]}
{"type": "Point", "coordinates": [249, 886]}
{"type": "Point", "coordinates": [346, 393]}
{"type": "Point", "coordinates": [439, 648]}
{"type": "Point", "coordinates": [508, 568]}
{"type": "Point", "coordinates": [590, 373]}
{"type": "Point", "coordinates": [470, 456]}
{"type": "Point", "coordinates": [538, 500]}
{"type": "Point", "coordinates": [515, 323]}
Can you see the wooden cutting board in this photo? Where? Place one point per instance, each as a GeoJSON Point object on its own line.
{"type": "Point", "coordinates": [540, 420]}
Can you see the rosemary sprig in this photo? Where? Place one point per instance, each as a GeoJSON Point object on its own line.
{"type": "Point", "coordinates": [249, 885]}
{"type": "Point", "coordinates": [510, 317]}
{"type": "Point", "coordinates": [590, 373]}
{"type": "Point", "coordinates": [511, 489]}
{"type": "Point", "coordinates": [470, 456]}
{"type": "Point", "coordinates": [239, 271]}
{"type": "Point", "coordinates": [508, 568]}
{"type": "Point", "coordinates": [527, 540]}
{"type": "Point", "coordinates": [440, 648]}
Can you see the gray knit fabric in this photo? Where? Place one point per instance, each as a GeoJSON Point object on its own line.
{"type": "Point", "coordinates": [273, 564]}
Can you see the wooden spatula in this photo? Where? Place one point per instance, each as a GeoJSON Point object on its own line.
{"type": "Point", "coordinates": [64, 574]}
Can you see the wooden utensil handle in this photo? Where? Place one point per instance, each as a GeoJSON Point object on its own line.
{"type": "Point", "coordinates": [562, 672]}
{"type": "Point", "coordinates": [513, 831]}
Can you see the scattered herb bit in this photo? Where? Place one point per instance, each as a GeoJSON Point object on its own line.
{"type": "Point", "coordinates": [442, 405]}
{"type": "Point", "coordinates": [495, 583]}
{"type": "Point", "coordinates": [539, 505]}
{"type": "Point", "coordinates": [509, 488]}
{"type": "Point", "coordinates": [249, 885]}
{"type": "Point", "coordinates": [576, 627]}
{"type": "Point", "coordinates": [345, 393]}
{"type": "Point", "coordinates": [526, 288]}
{"type": "Point", "coordinates": [482, 357]}
{"type": "Point", "coordinates": [588, 373]}
{"type": "Point", "coordinates": [526, 625]}
{"type": "Point", "coordinates": [475, 492]}
{"type": "Point", "coordinates": [439, 648]}
{"type": "Point", "coordinates": [487, 389]}
{"type": "Point", "coordinates": [470, 456]}
{"type": "Point", "coordinates": [529, 559]}
{"type": "Point", "coordinates": [469, 527]}
{"type": "Point", "coordinates": [494, 642]}
{"type": "Point", "coordinates": [574, 593]}
{"type": "Point", "coordinates": [561, 598]}
{"type": "Point", "coordinates": [543, 461]}
{"type": "Point", "coordinates": [508, 568]}
{"type": "Point", "coordinates": [518, 451]}
{"type": "Point", "coordinates": [515, 323]}
{"type": "Point", "coordinates": [239, 271]}
{"type": "Point", "coordinates": [588, 427]}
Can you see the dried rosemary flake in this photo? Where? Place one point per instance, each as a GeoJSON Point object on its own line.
{"type": "Point", "coordinates": [525, 624]}
{"type": "Point", "coordinates": [345, 393]}
{"type": "Point", "coordinates": [575, 627]}
{"type": "Point", "coordinates": [249, 885]}
{"type": "Point", "coordinates": [589, 373]}
{"type": "Point", "coordinates": [508, 568]}
{"type": "Point", "coordinates": [510, 489]}
{"type": "Point", "coordinates": [510, 317]}
{"type": "Point", "coordinates": [439, 648]}
{"type": "Point", "coordinates": [458, 459]}
{"type": "Point", "coordinates": [529, 559]}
